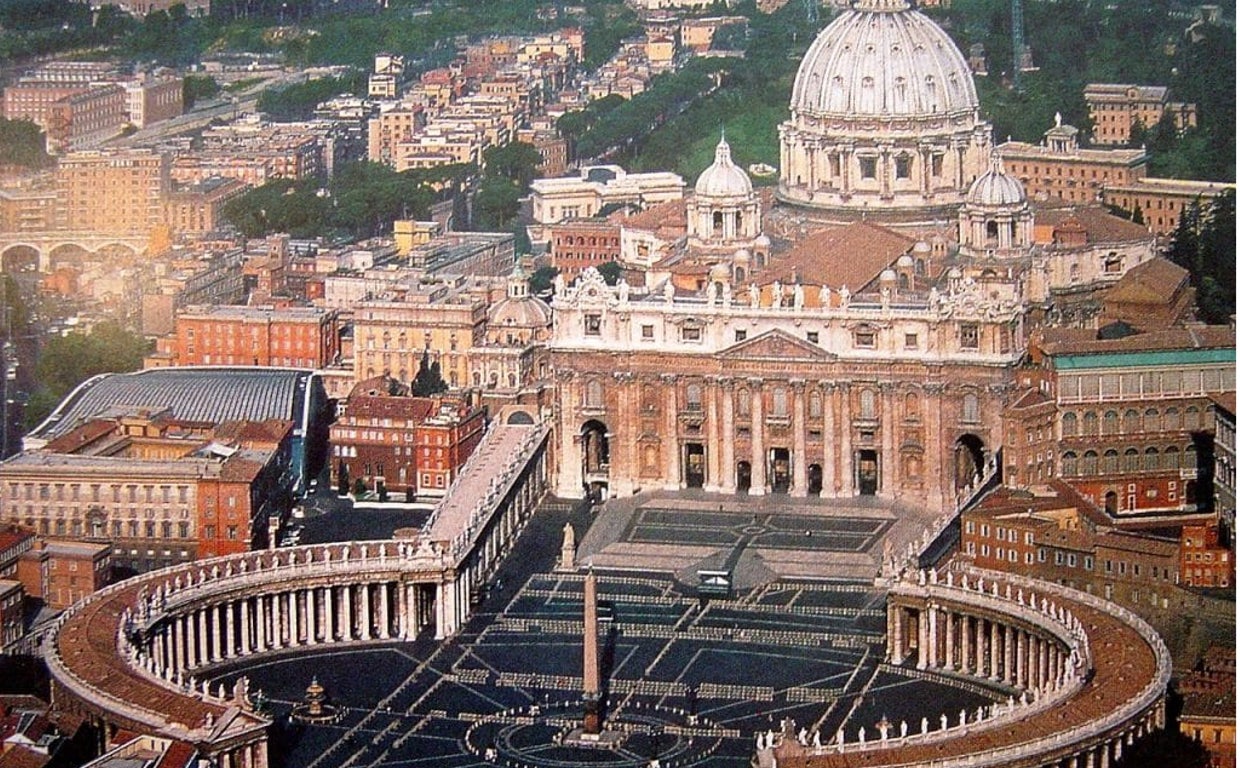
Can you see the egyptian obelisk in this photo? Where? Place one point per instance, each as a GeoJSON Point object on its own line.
{"type": "Point", "coordinates": [592, 723]}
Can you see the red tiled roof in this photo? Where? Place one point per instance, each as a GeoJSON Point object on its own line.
{"type": "Point", "coordinates": [851, 255]}
{"type": "Point", "coordinates": [1150, 282]}
{"type": "Point", "coordinates": [1070, 341]}
{"type": "Point", "coordinates": [1100, 225]}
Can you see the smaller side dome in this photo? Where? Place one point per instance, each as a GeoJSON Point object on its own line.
{"type": "Point", "coordinates": [996, 188]}
{"type": "Point", "coordinates": [720, 273]}
{"type": "Point", "coordinates": [905, 262]}
{"type": "Point", "coordinates": [723, 178]}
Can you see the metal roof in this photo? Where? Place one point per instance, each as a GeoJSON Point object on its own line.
{"type": "Point", "coordinates": [210, 395]}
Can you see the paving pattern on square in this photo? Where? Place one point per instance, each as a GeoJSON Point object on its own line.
{"type": "Point", "coordinates": [511, 681]}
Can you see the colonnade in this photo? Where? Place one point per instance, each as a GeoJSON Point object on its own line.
{"type": "Point", "coordinates": [293, 618]}
{"type": "Point", "coordinates": [946, 638]}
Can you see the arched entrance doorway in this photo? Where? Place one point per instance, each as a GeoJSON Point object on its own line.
{"type": "Point", "coordinates": [595, 459]}
{"type": "Point", "coordinates": [970, 460]}
{"type": "Point", "coordinates": [814, 478]}
{"type": "Point", "coordinates": [744, 475]}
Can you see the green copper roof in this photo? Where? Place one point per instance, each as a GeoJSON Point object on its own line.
{"type": "Point", "coordinates": [1170, 357]}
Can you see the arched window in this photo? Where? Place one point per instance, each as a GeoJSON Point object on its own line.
{"type": "Point", "coordinates": [512, 380]}
{"type": "Point", "coordinates": [1132, 421]}
{"type": "Point", "coordinates": [1132, 460]}
{"type": "Point", "coordinates": [1090, 424]}
{"type": "Point", "coordinates": [1171, 419]}
{"type": "Point", "coordinates": [1110, 423]}
{"type": "Point", "coordinates": [1110, 461]}
{"type": "Point", "coordinates": [1089, 464]}
{"type": "Point", "coordinates": [477, 379]}
{"type": "Point", "coordinates": [1069, 424]}
{"type": "Point", "coordinates": [867, 404]}
{"type": "Point", "coordinates": [912, 407]}
{"type": "Point", "coordinates": [1151, 460]}
{"type": "Point", "coordinates": [1171, 458]}
{"type": "Point", "coordinates": [1151, 420]}
{"type": "Point", "coordinates": [969, 410]}
{"type": "Point", "coordinates": [779, 402]}
{"type": "Point", "coordinates": [1190, 457]}
{"type": "Point", "coordinates": [1068, 464]}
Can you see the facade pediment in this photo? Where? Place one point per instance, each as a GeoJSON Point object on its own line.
{"type": "Point", "coordinates": [776, 345]}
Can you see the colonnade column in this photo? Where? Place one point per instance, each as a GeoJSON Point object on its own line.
{"type": "Point", "coordinates": [932, 657]}
{"type": "Point", "coordinates": [244, 605]}
{"type": "Point", "coordinates": [951, 620]}
{"type": "Point", "coordinates": [1022, 652]}
{"type": "Point", "coordinates": [364, 611]}
{"type": "Point", "coordinates": [847, 471]}
{"type": "Point", "coordinates": [349, 627]}
{"type": "Point", "coordinates": [895, 634]}
{"type": "Point", "coordinates": [923, 640]}
{"type": "Point", "coordinates": [995, 645]}
{"type": "Point", "coordinates": [979, 646]}
{"type": "Point", "coordinates": [383, 611]}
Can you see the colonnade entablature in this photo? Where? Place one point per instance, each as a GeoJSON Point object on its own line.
{"type": "Point", "coordinates": [1083, 678]}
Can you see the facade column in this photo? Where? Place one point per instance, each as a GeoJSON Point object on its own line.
{"type": "Point", "coordinates": [714, 436]}
{"type": "Point", "coordinates": [933, 656]}
{"type": "Point", "coordinates": [757, 440]}
{"type": "Point", "coordinates": [672, 479]}
{"type": "Point", "coordinates": [887, 470]}
{"type": "Point", "coordinates": [727, 438]}
{"type": "Point", "coordinates": [329, 613]}
{"type": "Point", "coordinates": [201, 654]}
{"type": "Point", "coordinates": [848, 472]}
{"type": "Point", "coordinates": [218, 635]}
{"type": "Point", "coordinates": [830, 483]}
{"type": "Point", "coordinates": [800, 461]}
{"type": "Point", "coordinates": [934, 476]}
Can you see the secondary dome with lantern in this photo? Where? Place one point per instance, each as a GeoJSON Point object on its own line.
{"type": "Point", "coordinates": [885, 122]}
{"type": "Point", "coordinates": [996, 188]}
{"type": "Point", "coordinates": [723, 178]}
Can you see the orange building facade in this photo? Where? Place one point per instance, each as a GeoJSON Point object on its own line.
{"type": "Point", "coordinates": [297, 337]}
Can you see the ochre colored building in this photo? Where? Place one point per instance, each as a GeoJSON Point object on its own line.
{"type": "Point", "coordinates": [297, 337]}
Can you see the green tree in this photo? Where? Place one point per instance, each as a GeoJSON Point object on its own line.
{"type": "Point", "coordinates": [496, 204]}
{"type": "Point", "coordinates": [516, 161]}
{"type": "Point", "coordinates": [67, 361]}
{"type": "Point", "coordinates": [428, 381]}
{"type": "Point", "coordinates": [21, 143]}
{"type": "Point", "coordinates": [611, 272]}
{"type": "Point", "coordinates": [342, 477]}
{"type": "Point", "coordinates": [542, 280]}
{"type": "Point", "coordinates": [198, 87]}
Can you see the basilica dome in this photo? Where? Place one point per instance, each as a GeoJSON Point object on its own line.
{"type": "Point", "coordinates": [885, 60]}
{"type": "Point", "coordinates": [884, 121]}
{"type": "Point", "coordinates": [723, 178]}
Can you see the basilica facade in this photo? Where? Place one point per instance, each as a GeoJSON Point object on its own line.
{"type": "Point", "coordinates": [868, 345]}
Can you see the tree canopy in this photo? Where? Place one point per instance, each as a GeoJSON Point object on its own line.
{"type": "Point", "coordinates": [1204, 243]}
{"type": "Point", "coordinates": [67, 361]}
{"type": "Point", "coordinates": [21, 143]}
{"type": "Point", "coordinates": [429, 379]}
